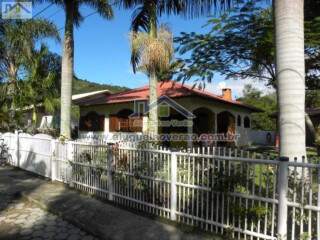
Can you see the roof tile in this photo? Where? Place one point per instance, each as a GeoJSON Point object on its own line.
{"type": "Point", "coordinates": [171, 89]}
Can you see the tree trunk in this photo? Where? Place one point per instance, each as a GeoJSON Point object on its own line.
{"type": "Point", "coordinates": [291, 77]}
{"type": "Point", "coordinates": [153, 95]}
{"type": "Point", "coordinates": [67, 71]}
{"type": "Point", "coordinates": [11, 91]}
{"type": "Point", "coordinates": [153, 113]}
{"type": "Point", "coordinates": [12, 84]}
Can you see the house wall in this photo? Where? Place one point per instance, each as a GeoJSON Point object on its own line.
{"type": "Point", "coordinates": [189, 103]}
{"type": "Point", "coordinates": [27, 119]}
{"type": "Point", "coordinates": [105, 110]}
{"type": "Point", "coordinates": [245, 133]}
{"type": "Point", "coordinates": [260, 138]}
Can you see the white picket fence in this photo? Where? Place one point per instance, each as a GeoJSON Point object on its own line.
{"type": "Point", "coordinates": [40, 154]}
{"type": "Point", "coordinates": [228, 191]}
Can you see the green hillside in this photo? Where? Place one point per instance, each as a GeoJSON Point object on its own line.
{"type": "Point", "coordinates": [84, 86]}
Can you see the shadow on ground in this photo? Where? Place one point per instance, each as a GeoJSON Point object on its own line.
{"type": "Point", "coordinates": [97, 217]}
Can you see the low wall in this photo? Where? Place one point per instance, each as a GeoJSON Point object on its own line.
{"type": "Point", "coordinates": [267, 138]}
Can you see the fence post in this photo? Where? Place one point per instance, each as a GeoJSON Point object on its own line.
{"type": "Point", "coordinates": [70, 158]}
{"type": "Point", "coordinates": [174, 171]}
{"type": "Point", "coordinates": [109, 173]}
{"type": "Point", "coordinates": [16, 153]}
{"type": "Point", "coordinates": [283, 192]}
{"type": "Point", "coordinates": [53, 160]}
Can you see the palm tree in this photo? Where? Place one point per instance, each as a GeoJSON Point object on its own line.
{"type": "Point", "coordinates": [73, 17]}
{"type": "Point", "coordinates": [17, 41]}
{"type": "Point", "coordinates": [145, 18]}
{"type": "Point", "coordinates": [40, 88]}
{"type": "Point", "coordinates": [290, 66]}
{"type": "Point", "coordinates": [155, 54]}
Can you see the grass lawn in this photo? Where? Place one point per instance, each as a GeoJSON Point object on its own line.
{"type": "Point", "coordinates": [273, 151]}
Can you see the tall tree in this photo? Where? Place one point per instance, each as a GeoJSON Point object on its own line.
{"type": "Point", "coordinates": [290, 69]}
{"type": "Point", "coordinates": [145, 18]}
{"type": "Point", "coordinates": [73, 18]}
{"type": "Point", "coordinates": [253, 56]}
{"type": "Point", "coordinates": [40, 89]}
{"type": "Point", "coordinates": [255, 97]}
{"type": "Point", "coordinates": [156, 54]}
{"type": "Point", "coordinates": [17, 41]}
{"type": "Point", "coordinates": [241, 45]}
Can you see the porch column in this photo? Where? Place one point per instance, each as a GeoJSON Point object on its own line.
{"type": "Point", "coordinates": [106, 125]}
{"type": "Point", "coordinates": [190, 131]}
{"type": "Point", "coordinates": [145, 124]}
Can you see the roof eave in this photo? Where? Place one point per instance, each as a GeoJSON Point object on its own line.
{"type": "Point", "coordinates": [253, 109]}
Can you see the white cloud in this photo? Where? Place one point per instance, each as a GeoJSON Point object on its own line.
{"type": "Point", "coordinates": [237, 87]}
{"type": "Point", "coordinates": [143, 80]}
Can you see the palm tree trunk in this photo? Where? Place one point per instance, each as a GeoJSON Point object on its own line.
{"type": "Point", "coordinates": [67, 71]}
{"type": "Point", "coordinates": [291, 77]}
{"type": "Point", "coordinates": [153, 113]}
{"type": "Point", "coordinates": [153, 96]}
{"type": "Point", "coordinates": [11, 91]}
{"type": "Point", "coordinates": [12, 81]}
{"type": "Point", "coordinates": [152, 20]}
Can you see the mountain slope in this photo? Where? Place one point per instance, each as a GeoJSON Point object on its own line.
{"type": "Point", "coordinates": [84, 86]}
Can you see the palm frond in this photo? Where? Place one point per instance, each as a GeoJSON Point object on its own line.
{"type": "Point", "coordinates": [103, 7]}
{"type": "Point", "coordinates": [59, 2]}
{"type": "Point", "coordinates": [196, 8]}
{"type": "Point", "coordinates": [51, 104]}
{"type": "Point", "coordinates": [186, 8]}
{"type": "Point", "coordinates": [128, 4]}
{"type": "Point", "coordinates": [138, 41]}
{"type": "Point", "coordinates": [152, 53]}
{"type": "Point", "coordinates": [75, 111]}
{"type": "Point", "coordinates": [140, 19]}
{"type": "Point", "coordinates": [171, 7]}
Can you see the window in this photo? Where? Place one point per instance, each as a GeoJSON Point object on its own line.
{"type": "Point", "coordinates": [239, 121]}
{"type": "Point", "coordinates": [113, 123]}
{"type": "Point", "coordinates": [121, 122]}
{"type": "Point", "coordinates": [92, 122]}
{"type": "Point", "coordinates": [246, 122]}
{"type": "Point", "coordinates": [124, 120]}
{"type": "Point", "coordinates": [164, 110]}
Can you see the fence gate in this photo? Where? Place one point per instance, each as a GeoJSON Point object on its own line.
{"type": "Point", "coordinates": [60, 162]}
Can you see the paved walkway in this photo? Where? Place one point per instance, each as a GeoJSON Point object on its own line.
{"type": "Point", "coordinates": [96, 217]}
{"type": "Point", "coordinates": [26, 221]}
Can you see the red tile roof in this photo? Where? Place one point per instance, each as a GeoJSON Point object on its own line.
{"type": "Point", "coordinates": [170, 89]}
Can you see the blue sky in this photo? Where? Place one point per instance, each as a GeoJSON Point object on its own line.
{"type": "Point", "coordinates": [102, 52]}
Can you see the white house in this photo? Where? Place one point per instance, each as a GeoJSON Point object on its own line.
{"type": "Point", "coordinates": [112, 114]}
